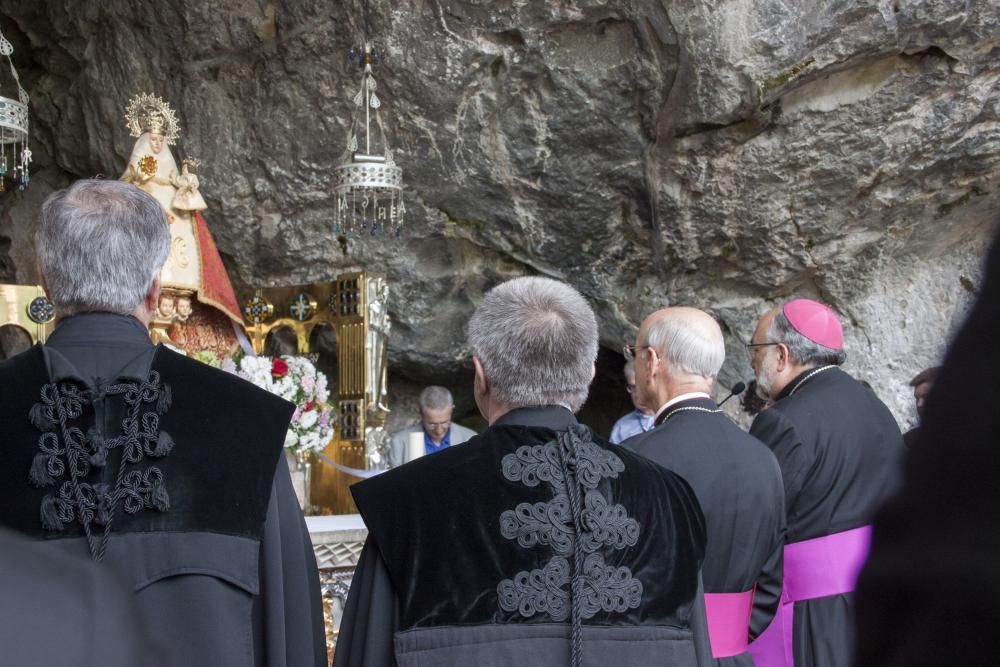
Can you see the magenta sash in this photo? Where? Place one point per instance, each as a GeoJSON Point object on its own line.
{"type": "Point", "coordinates": [815, 568]}
{"type": "Point", "coordinates": [728, 622]}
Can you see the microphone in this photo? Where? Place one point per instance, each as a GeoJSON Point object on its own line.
{"type": "Point", "coordinates": [738, 389]}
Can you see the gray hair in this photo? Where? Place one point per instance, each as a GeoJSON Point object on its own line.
{"type": "Point", "coordinates": [629, 368]}
{"type": "Point", "coordinates": [100, 245]}
{"type": "Point", "coordinates": [537, 341]}
{"type": "Point", "coordinates": [687, 346]}
{"type": "Point", "coordinates": [802, 350]}
{"type": "Point", "coordinates": [435, 398]}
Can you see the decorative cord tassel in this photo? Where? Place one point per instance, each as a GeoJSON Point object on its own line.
{"type": "Point", "coordinates": [39, 473]}
{"type": "Point", "coordinates": [568, 463]}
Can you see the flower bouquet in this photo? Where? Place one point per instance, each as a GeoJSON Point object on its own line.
{"type": "Point", "coordinates": [295, 379]}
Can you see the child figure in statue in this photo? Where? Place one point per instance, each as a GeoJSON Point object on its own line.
{"type": "Point", "coordinates": [188, 198]}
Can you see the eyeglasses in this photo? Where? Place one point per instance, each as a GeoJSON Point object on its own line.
{"type": "Point", "coordinates": [630, 350]}
{"type": "Point", "coordinates": [750, 346]}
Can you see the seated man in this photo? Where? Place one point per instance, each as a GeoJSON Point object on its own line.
{"type": "Point", "coordinates": [639, 420]}
{"type": "Point", "coordinates": [436, 406]}
{"type": "Point", "coordinates": [536, 543]}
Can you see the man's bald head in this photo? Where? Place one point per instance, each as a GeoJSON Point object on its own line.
{"type": "Point", "coordinates": [689, 339]}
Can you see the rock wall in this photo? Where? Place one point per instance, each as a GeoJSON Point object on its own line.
{"type": "Point", "coordinates": [725, 155]}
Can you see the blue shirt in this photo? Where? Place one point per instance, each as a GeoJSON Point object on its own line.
{"type": "Point", "coordinates": [430, 447]}
{"type": "Point", "coordinates": [631, 424]}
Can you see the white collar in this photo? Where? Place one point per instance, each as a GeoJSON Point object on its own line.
{"type": "Point", "coordinates": [677, 399]}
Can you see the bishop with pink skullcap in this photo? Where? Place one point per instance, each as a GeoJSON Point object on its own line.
{"type": "Point", "coordinates": [815, 321]}
{"type": "Point", "coordinates": [838, 448]}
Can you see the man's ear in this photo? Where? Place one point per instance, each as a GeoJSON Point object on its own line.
{"type": "Point", "coordinates": [481, 382]}
{"type": "Point", "coordinates": [650, 359]}
{"type": "Point", "coordinates": [783, 358]}
{"type": "Point", "coordinates": [152, 300]}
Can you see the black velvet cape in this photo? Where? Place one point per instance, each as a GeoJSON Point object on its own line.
{"type": "Point", "coordinates": [437, 525]}
{"type": "Point", "coordinates": [220, 568]}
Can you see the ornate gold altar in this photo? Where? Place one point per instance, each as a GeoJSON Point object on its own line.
{"type": "Point", "coordinates": [355, 305]}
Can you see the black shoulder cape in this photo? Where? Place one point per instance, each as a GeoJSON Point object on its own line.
{"type": "Point", "coordinates": [214, 466]}
{"type": "Point", "coordinates": [482, 533]}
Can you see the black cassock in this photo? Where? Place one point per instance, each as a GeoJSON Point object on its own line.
{"type": "Point", "coordinates": [167, 476]}
{"type": "Point", "coordinates": [472, 554]}
{"type": "Point", "coordinates": [839, 450]}
{"type": "Point", "coordinates": [738, 484]}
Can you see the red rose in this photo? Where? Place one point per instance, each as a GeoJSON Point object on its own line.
{"type": "Point", "coordinates": [309, 406]}
{"type": "Point", "coordinates": [279, 368]}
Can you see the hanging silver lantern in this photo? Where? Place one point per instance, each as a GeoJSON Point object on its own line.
{"type": "Point", "coordinates": [14, 153]}
{"type": "Point", "coordinates": [368, 184]}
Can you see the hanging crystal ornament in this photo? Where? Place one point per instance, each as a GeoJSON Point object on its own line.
{"type": "Point", "coordinates": [368, 185]}
{"type": "Point", "coordinates": [14, 127]}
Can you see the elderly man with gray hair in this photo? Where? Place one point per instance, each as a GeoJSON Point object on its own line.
{"type": "Point", "coordinates": [537, 542]}
{"type": "Point", "coordinates": [640, 419]}
{"type": "Point", "coordinates": [435, 430]}
{"type": "Point", "coordinates": [678, 354]}
{"type": "Point", "coordinates": [166, 473]}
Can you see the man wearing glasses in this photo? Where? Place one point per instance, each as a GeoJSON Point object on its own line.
{"type": "Point", "coordinates": [678, 354]}
{"type": "Point", "coordinates": [639, 420]}
{"type": "Point", "coordinates": [436, 406]}
{"type": "Point", "coordinates": [838, 447]}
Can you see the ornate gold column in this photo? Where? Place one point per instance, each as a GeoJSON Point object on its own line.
{"type": "Point", "coordinates": [358, 307]}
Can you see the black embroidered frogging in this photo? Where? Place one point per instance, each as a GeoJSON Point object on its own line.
{"type": "Point", "coordinates": [66, 451]}
{"type": "Point", "coordinates": [572, 527]}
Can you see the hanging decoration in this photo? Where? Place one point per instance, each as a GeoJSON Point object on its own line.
{"type": "Point", "coordinates": [368, 183]}
{"type": "Point", "coordinates": [15, 156]}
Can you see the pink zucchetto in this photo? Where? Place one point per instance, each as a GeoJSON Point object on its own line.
{"type": "Point", "coordinates": [815, 321]}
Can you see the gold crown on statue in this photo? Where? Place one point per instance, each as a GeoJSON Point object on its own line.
{"type": "Point", "coordinates": [148, 113]}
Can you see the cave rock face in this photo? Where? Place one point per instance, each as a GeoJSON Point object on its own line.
{"type": "Point", "coordinates": [725, 155]}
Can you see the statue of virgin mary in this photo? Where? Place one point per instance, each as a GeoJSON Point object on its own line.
{"type": "Point", "coordinates": [198, 308]}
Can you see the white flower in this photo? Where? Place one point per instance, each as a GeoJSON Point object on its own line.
{"type": "Point", "coordinates": [310, 441]}
{"type": "Point", "coordinates": [309, 419]}
{"type": "Point", "coordinates": [302, 385]}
